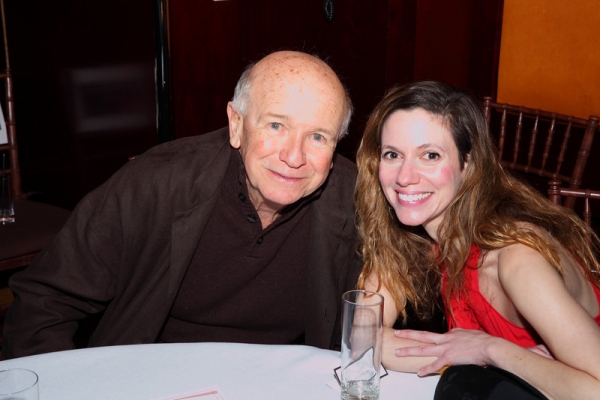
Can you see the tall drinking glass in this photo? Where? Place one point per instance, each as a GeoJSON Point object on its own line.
{"type": "Point", "coordinates": [18, 384]}
{"type": "Point", "coordinates": [362, 334]}
{"type": "Point", "coordinates": [7, 207]}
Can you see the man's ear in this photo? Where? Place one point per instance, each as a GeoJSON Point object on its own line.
{"type": "Point", "coordinates": [236, 126]}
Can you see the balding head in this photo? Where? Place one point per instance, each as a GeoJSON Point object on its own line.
{"type": "Point", "coordinates": [286, 118]}
{"type": "Point", "coordinates": [283, 67]}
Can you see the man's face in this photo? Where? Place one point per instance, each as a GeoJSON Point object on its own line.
{"type": "Point", "coordinates": [287, 138]}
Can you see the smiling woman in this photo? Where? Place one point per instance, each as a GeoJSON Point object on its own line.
{"type": "Point", "coordinates": [438, 214]}
{"type": "Point", "coordinates": [420, 170]}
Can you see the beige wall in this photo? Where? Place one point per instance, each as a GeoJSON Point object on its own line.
{"type": "Point", "coordinates": [550, 55]}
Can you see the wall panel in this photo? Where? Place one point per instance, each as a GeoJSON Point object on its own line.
{"type": "Point", "coordinates": [550, 56]}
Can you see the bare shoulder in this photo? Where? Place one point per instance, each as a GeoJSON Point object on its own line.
{"type": "Point", "coordinates": [518, 259]}
{"type": "Point", "coordinates": [512, 258]}
{"type": "Point", "coordinates": [520, 266]}
{"type": "Point", "coordinates": [522, 269]}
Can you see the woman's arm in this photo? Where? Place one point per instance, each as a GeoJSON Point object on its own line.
{"type": "Point", "coordinates": [539, 295]}
{"type": "Point", "coordinates": [390, 341]}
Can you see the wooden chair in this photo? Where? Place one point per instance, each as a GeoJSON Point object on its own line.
{"type": "Point", "coordinates": [540, 145]}
{"type": "Point", "coordinates": [555, 192]}
{"type": "Point", "coordinates": [36, 224]}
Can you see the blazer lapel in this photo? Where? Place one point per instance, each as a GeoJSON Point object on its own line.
{"type": "Point", "coordinates": [188, 225]}
{"type": "Point", "coordinates": [329, 246]}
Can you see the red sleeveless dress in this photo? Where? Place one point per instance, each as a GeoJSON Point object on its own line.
{"type": "Point", "coordinates": [473, 311]}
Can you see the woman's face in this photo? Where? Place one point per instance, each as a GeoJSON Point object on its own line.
{"type": "Point", "coordinates": [420, 171]}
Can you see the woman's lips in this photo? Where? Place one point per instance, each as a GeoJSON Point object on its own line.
{"type": "Point", "coordinates": [411, 198]}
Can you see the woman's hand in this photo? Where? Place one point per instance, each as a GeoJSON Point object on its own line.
{"type": "Point", "coordinates": [457, 347]}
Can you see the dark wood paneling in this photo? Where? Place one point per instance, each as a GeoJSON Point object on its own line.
{"type": "Point", "coordinates": [401, 42]}
{"type": "Point", "coordinates": [443, 45]}
{"type": "Point", "coordinates": [485, 44]}
{"type": "Point", "coordinates": [356, 41]}
{"type": "Point", "coordinates": [457, 42]}
{"type": "Point", "coordinates": [213, 41]}
{"type": "Point", "coordinates": [373, 45]}
{"type": "Point", "coordinates": [205, 61]}
{"type": "Point", "coordinates": [164, 83]}
{"type": "Point", "coordinates": [84, 91]}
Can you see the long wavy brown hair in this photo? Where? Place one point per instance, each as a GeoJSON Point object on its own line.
{"type": "Point", "coordinates": [489, 209]}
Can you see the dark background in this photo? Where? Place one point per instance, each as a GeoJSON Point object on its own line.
{"type": "Point", "coordinates": [87, 95]}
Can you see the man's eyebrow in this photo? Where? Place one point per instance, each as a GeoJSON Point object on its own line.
{"type": "Point", "coordinates": [280, 116]}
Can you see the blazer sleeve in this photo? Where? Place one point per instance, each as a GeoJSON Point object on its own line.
{"type": "Point", "coordinates": [68, 281]}
{"type": "Point", "coordinates": [78, 275]}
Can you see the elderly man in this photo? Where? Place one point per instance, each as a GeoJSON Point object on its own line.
{"type": "Point", "coordinates": [244, 234]}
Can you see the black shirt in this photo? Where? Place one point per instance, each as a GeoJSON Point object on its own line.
{"type": "Point", "coordinates": [244, 283]}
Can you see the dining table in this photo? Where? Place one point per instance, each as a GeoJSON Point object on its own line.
{"type": "Point", "coordinates": [206, 371]}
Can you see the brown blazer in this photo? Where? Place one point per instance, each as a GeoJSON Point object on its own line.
{"type": "Point", "coordinates": [125, 250]}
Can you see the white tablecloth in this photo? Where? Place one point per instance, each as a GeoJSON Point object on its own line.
{"type": "Point", "coordinates": [238, 371]}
